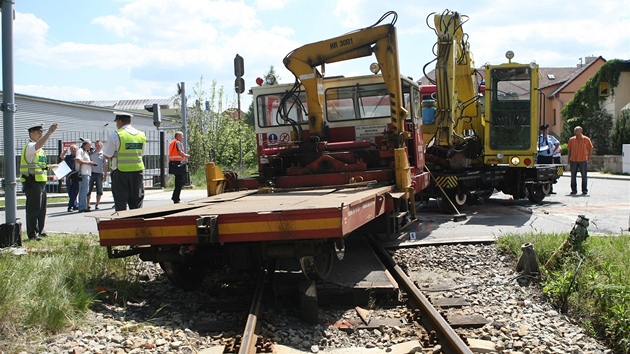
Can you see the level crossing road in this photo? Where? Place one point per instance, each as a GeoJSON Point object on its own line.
{"type": "Point", "coordinates": [607, 205]}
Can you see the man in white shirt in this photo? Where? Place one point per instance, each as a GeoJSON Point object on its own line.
{"type": "Point", "coordinates": [85, 164]}
{"type": "Point", "coordinates": [124, 149]}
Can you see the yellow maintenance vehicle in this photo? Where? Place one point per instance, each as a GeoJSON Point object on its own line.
{"type": "Point", "coordinates": [480, 126]}
{"type": "Point", "coordinates": [335, 157]}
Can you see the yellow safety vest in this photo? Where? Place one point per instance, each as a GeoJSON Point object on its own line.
{"type": "Point", "coordinates": [129, 154]}
{"type": "Point", "coordinates": [37, 168]}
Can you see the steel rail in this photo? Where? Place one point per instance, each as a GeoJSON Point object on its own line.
{"type": "Point", "coordinates": [431, 318]}
{"type": "Point", "coordinates": [249, 338]}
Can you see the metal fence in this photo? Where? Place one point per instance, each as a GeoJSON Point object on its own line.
{"type": "Point", "coordinates": [153, 154]}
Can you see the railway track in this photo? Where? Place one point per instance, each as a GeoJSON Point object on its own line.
{"type": "Point", "coordinates": [250, 341]}
{"type": "Point", "coordinates": [449, 340]}
{"type": "Point", "coordinates": [213, 319]}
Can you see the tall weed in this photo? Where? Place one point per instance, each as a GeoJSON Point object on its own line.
{"type": "Point", "coordinates": [52, 286]}
{"type": "Point", "coordinates": [593, 286]}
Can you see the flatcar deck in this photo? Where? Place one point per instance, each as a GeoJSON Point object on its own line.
{"type": "Point", "coordinates": [248, 216]}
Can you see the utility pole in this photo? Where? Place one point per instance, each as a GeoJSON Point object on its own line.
{"type": "Point", "coordinates": [182, 92]}
{"type": "Point", "coordinates": [9, 229]}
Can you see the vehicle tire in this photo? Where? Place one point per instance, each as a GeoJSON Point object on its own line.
{"type": "Point", "coordinates": [535, 193]}
{"type": "Point", "coordinates": [546, 188]}
{"type": "Point", "coordinates": [187, 276]}
{"type": "Point", "coordinates": [458, 199]}
{"type": "Point", "coordinates": [318, 267]}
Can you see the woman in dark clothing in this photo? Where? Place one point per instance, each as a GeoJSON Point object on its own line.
{"type": "Point", "coordinates": [72, 179]}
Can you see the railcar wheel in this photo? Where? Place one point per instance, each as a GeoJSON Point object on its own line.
{"type": "Point", "coordinates": [535, 193]}
{"type": "Point", "coordinates": [318, 267]}
{"type": "Point", "coordinates": [184, 275]}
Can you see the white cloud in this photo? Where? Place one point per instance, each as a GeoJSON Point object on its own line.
{"type": "Point", "coordinates": [265, 5]}
{"type": "Point", "coordinates": [150, 44]}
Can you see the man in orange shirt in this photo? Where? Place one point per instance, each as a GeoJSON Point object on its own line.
{"type": "Point", "coordinates": [580, 151]}
{"type": "Point", "coordinates": [177, 164]}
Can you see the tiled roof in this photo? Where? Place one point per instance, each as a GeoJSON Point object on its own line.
{"type": "Point", "coordinates": [572, 76]}
{"type": "Point", "coordinates": [561, 76]}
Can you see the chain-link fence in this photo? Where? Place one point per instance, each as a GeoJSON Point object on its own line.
{"type": "Point", "coordinates": [55, 145]}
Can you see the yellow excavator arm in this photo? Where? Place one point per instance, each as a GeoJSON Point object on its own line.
{"type": "Point", "coordinates": [380, 40]}
{"type": "Point", "coordinates": [457, 92]}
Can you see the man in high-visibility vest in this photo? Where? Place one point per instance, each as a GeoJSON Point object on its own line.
{"type": "Point", "coordinates": [33, 175]}
{"type": "Point", "coordinates": [124, 148]}
{"type": "Point", "coordinates": [177, 164]}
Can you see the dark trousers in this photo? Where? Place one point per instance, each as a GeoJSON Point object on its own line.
{"type": "Point", "coordinates": [35, 193]}
{"type": "Point", "coordinates": [73, 192]}
{"type": "Point", "coordinates": [179, 184]}
{"type": "Point", "coordinates": [545, 159]}
{"type": "Point", "coordinates": [127, 189]}
{"type": "Point", "coordinates": [575, 167]}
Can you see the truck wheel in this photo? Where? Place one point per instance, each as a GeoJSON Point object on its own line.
{"type": "Point", "coordinates": [318, 267]}
{"type": "Point", "coordinates": [546, 188]}
{"type": "Point", "coordinates": [535, 193]}
{"type": "Point", "coordinates": [184, 275]}
{"type": "Point", "coordinates": [459, 200]}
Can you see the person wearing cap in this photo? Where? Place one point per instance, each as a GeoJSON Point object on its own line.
{"type": "Point", "coordinates": [124, 149]}
{"type": "Point", "coordinates": [580, 152]}
{"type": "Point", "coordinates": [547, 145]}
{"type": "Point", "coordinates": [177, 164]}
{"type": "Point", "coordinates": [33, 175]}
{"type": "Point", "coordinates": [85, 164]}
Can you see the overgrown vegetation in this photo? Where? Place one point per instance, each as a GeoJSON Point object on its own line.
{"type": "Point", "coordinates": [593, 286]}
{"type": "Point", "coordinates": [52, 286]}
{"type": "Point", "coordinates": [620, 133]}
{"type": "Point", "coordinates": [584, 108]}
{"type": "Point", "coordinates": [216, 134]}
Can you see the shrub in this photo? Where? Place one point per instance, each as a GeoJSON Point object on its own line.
{"type": "Point", "coordinates": [620, 133]}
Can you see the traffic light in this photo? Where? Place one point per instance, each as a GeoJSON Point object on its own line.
{"type": "Point", "coordinates": [239, 85]}
{"type": "Point", "coordinates": [239, 67]}
{"type": "Point", "coordinates": [239, 70]}
{"type": "Point", "coordinates": [157, 113]}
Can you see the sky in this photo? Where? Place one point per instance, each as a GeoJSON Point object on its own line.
{"type": "Point", "coordinates": [77, 50]}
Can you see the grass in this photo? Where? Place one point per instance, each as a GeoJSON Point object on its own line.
{"type": "Point", "coordinates": [591, 284]}
{"type": "Point", "coordinates": [49, 201]}
{"type": "Point", "coordinates": [55, 283]}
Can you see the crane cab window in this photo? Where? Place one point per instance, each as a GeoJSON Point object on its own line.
{"type": "Point", "coordinates": [357, 102]}
{"type": "Point", "coordinates": [269, 112]}
{"type": "Point", "coordinates": [510, 108]}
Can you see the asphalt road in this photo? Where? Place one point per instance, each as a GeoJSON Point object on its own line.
{"type": "Point", "coordinates": [607, 206]}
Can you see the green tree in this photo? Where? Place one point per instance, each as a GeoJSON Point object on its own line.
{"type": "Point", "coordinates": [216, 136]}
{"type": "Point", "coordinates": [620, 133]}
{"type": "Point", "coordinates": [596, 126]}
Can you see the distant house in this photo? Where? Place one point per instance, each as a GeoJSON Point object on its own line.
{"type": "Point", "coordinates": [620, 100]}
{"type": "Point", "coordinates": [234, 114]}
{"type": "Point", "coordinates": [558, 85]}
